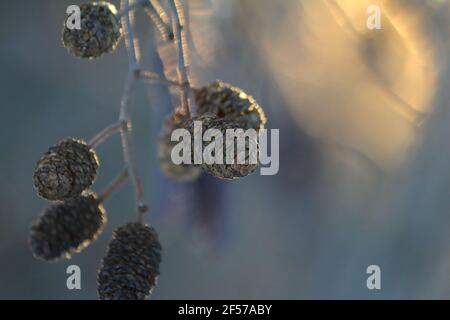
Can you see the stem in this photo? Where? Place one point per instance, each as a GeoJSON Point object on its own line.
{"type": "Point", "coordinates": [130, 39]}
{"type": "Point", "coordinates": [113, 186]}
{"type": "Point", "coordinates": [160, 11]}
{"type": "Point", "coordinates": [124, 10]}
{"type": "Point", "coordinates": [128, 154]}
{"type": "Point", "coordinates": [103, 135]}
{"type": "Point", "coordinates": [176, 10]}
{"type": "Point", "coordinates": [124, 117]}
{"type": "Point", "coordinates": [152, 77]}
{"type": "Point", "coordinates": [159, 17]}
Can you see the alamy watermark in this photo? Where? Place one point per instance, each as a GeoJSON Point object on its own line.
{"type": "Point", "coordinates": [241, 146]}
{"type": "Point", "coordinates": [374, 279]}
{"type": "Point", "coordinates": [74, 280]}
{"type": "Point", "coordinates": [374, 19]}
{"type": "Point", "coordinates": [73, 21]}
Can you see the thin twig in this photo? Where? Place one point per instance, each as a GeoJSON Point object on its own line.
{"type": "Point", "coordinates": [128, 153]}
{"type": "Point", "coordinates": [152, 77]}
{"type": "Point", "coordinates": [156, 13]}
{"type": "Point", "coordinates": [161, 12]}
{"type": "Point", "coordinates": [100, 137]}
{"type": "Point", "coordinates": [116, 183]}
{"type": "Point", "coordinates": [124, 116]}
{"type": "Point", "coordinates": [177, 14]}
{"type": "Point", "coordinates": [159, 17]}
{"type": "Point", "coordinates": [130, 39]}
{"type": "Point", "coordinates": [124, 10]}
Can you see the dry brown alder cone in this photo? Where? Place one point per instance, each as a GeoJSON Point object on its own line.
{"type": "Point", "coordinates": [224, 171]}
{"type": "Point", "coordinates": [65, 170]}
{"type": "Point", "coordinates": [182, 172]}
{"type": "Point", "coordinates": [67, 227]}
{"type": "Point", "coordinates": [130, 267]}
{"type": "Point", "coordinates": [230, 103]}
{"type": "Point", "coordinates": [100, 31]}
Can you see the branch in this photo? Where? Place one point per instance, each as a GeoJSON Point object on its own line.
{"type": "Point", "coordinates": [160, 11]}
{"type": "Point", "coordinates": [127, 147]}
{"type": "Point", "coordinates": [124, 116]}
{"type": "Point", "coordinates": [116, 183]}
{"type": "Point", "coordinates": [152, 78]}
{"type": "Point", "coordinates": [130, 40]}
{"type": "Point", "coordinates": [100, 137]}
{"type": "Point", "coordinates": [159, 17]}
{"type": "Point", "coordinates": [124, 10]}
{"type": "Point", "coordinates": [176, 10]}
{"type": "Point", "coordinates": [155, 12]}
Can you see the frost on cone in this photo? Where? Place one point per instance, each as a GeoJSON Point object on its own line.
{"type": "Point", "coordinates": [181, 172]}
{"type": "Point", "coordinates": [100, 31]}
{"type": "Point", "coordinates": [67, 227]}
{"type": "Point", "coordinates": [65, 170]}
{"type": "Point", "coordinates": [230, 103]}
{"type": "Point", "coordinates": [130, 268]}
{"type": "Point", "coordinates": [226, 170]}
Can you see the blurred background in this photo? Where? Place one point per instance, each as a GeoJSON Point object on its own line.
{"type": "Point", "coordinates": [364, 150]}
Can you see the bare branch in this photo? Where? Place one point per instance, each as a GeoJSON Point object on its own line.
{"type": "Point", "coordinates": [116, 183]}
{"type": "Point", "coordinates": [124, 116]}
{"type": "Point", "coordinates": [100, 137]}
{"type": "Point", "coordinates": [159, 17]}
{"type": "Point", "coordinates": [131, 41]}
{"type": "Point", "coordinates": [126, 9]}
{"type": "Point", "coordinates": [182, 70]}
{"type": "Point", "coordinates": [127, 147]}
{"type": "Point", "coordinates": [156, 4]}
{"type": "Point", "coordinates": [152, 77]}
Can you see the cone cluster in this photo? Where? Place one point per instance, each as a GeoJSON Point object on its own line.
{"type": "Point", "coordinates": [130, 268]}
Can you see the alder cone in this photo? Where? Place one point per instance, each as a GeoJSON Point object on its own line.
{"type": "Point", "coordinates": [130, 268]}
{"type": "Point", "coordinates": [230, 103]}
{"type": "Point", "coordinates": [65, 170]}
{"type": "Point", "coordinates": [100, 31]}
{"type": "Point", "coordinates": [181, 172]}
{"type": "Point", "coordinates": [67, 227]}
{"type": "Point", "coordinates": [226, 171]}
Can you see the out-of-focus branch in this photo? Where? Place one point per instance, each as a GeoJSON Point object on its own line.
{"type": "Point", "coordinates": [401, 106]}
{"type": "Point", "coordinates": [177, 13]}
{"type": "Point", "coordinates": [124, 10]}
{"type": "Point", "coordinates": [160, 18]}
{"type": "Point", "coordinates": [131, 41]}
